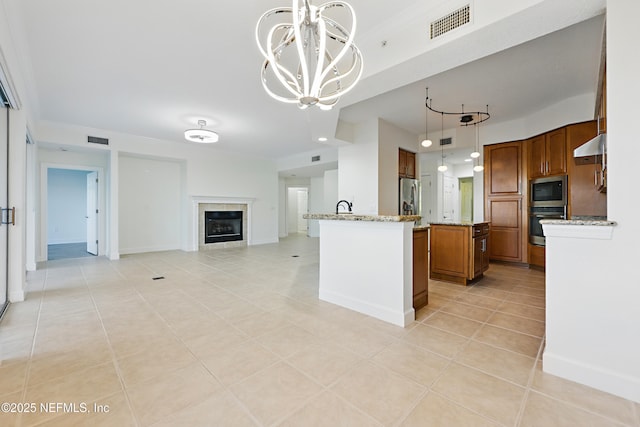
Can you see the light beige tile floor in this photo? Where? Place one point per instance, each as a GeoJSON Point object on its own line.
{"type": "Point", "coordinates": [238, 337]}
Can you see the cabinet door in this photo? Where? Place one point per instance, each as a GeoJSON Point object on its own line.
{"type": "Point", "coordinates": [537, 156]}
{"type": "Point", "coordinates": [584, 197]}
{"type": "Point", "coordinates": [450, 250]}
{"type": "Point", "coordinates": [478, 255]}
{"type": "Point", "coordinates": [420, 267]}
{"type": "Point", "coordinates": [411, 165]}
{"type": "Point", "coordinates": [402, 163]}
{"type": "Point", "coordinates": [506, 229]}
{"type": "Point", "coordinates": [485, 255]}
{"type": "Point", "coordinates": [556, 152]}
{"type": "Point", "coordinates": [503, 169]}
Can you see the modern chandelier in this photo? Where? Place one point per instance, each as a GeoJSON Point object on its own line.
{"type": "Point", "coordinates": [310, 57]}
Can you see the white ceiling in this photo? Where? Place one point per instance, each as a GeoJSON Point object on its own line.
{"type": "Point", "coordinates": [154, 68]}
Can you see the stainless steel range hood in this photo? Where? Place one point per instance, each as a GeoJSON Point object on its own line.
{"type": "Point", "coordinates": [594, 147]}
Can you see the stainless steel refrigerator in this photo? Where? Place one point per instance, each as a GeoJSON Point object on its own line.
{"type": "Point", "coordinates": [409, 197]}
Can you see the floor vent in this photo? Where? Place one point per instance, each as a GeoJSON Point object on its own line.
{"type": "Point", "coordinates": [450, 22]}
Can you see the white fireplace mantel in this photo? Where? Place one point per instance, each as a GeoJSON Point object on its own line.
{"type": "Point", "coordinates": [197, 200]}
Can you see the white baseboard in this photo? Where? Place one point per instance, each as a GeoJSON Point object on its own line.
{"type": "Point", "coordinates": [383, 313]}
{"type": "Point", "coordinates": [593, 376]}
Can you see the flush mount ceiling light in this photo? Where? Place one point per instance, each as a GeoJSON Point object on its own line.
{"type": "Point", "coordinates": [201, 135]}
{"type": "Point", "coordinates": [310, 58]}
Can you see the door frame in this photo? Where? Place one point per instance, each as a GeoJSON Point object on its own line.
{"type": "Point", "coordinates": [44, 171]}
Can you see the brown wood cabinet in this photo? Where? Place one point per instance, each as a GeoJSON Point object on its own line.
{"type": "Point", "coordinates": [508, 168]}
{"type": "Point", "coordinates": [505, 193]}
{"type": "Point", "coordinates": [420, 268]}
{"type": "Point", "coordinates": [503, 169]}
{"type": "Point", "coordinates": [459, 252]}
{"type": "Point", "coordinates": [536, 255]}
{"type": "Point", "coordinates": [406, 164]}
{"type": "Point", "coordinates": [548, 154]}
{"type": "Point", "coordinates": [583, 174]}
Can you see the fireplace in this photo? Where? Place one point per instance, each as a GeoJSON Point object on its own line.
{"type": "Point", "coordinates": [203, 204]}
{"type": "Point", "coordinates": [222, 226]}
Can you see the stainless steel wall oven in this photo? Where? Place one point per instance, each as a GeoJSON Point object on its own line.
{"type": "Point", "coordinates": [547, 200]}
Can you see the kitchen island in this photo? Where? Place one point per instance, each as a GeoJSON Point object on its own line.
{"type": "Point", "coordinates": [459, 251]}
{"type": "Point", "coordinates": [366, 264]}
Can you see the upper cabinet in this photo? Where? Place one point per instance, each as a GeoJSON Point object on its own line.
{"type": "Point", "coordinates": [503, 169]}
{"type": "Point", "coordinates": [548, 154]}
{"type": "Point", "coordinates": [406, 164]}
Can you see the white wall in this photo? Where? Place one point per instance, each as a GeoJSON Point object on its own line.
{"type": "Point", "coordinates": [209, 172]}
{"type": "Point", "coordinates": [358, 170]}
{"type": "Point", "coordinates": [592, 285]}
{"type": "Point", "coordinates": [67, 206]}
{"type": "Point", "coordinates": [330, 190]}
{"type": "Point", "coordinates": [149, 205]}
{"type": "Point", "coordinates": [391, 138]}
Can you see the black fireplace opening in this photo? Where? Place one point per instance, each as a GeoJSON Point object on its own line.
{"type": "Point", "coordinates": [222, 226]}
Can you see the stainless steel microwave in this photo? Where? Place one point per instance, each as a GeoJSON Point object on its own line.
{"type": "Point", "coordinates": [548, 191]}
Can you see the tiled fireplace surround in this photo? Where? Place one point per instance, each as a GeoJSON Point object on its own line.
{"type": "Point", "coordinates": [203, 204]}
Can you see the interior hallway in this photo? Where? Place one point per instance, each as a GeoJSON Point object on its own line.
{"type": "Point", "coordinates": [238, 337]}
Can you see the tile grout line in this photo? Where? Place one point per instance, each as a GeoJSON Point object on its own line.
{"type": "Point", "coordinates": [113, 354]}
{"type": "Point", "coordinates": [33, 346]}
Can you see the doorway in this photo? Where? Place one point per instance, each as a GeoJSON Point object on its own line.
{"type": "Point", "coordinates": [4, 197]}
{"type": "Point", "coordinates": [466, 199]}
{"type": "Point", "coordinates": [71, 212]}
{"type": "Point", "coordinates": [297, 206]}
{"type": "Point", "coordinates": [427, 205]}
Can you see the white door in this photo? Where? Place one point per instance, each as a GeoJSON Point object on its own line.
{"type": "Point", "coordinates": [92, 213]}
{"type": "Point", "coordinates": [4, 228]}
{"type": "Point", "coordinates": [426, 198]}
{"type": "Point", "coordinates": [303, 203]}
{"type": "Point", "coordinates": [448, 191]}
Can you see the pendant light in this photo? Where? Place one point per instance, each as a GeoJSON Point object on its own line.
{"type": "Point", "coordinates": [442, 167]}
{"type": "Point", "coordinates": [478, 167]}
{"type": "Point", "coordinates": [426, 142]}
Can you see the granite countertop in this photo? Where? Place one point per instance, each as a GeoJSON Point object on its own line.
{"type": "Point", "coordinates": [596, 222]}
{"type": "Point", "coordinates": [355, 217]}
{"type": "Point", "coordinates": [461, 224]}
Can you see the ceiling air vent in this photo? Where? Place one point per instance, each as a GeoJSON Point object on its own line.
{"type": "Point", "coordinates": [446, 141]}
{"type": "Point", "coordinates": [450, 22]}
{"type": "Point", "coordinates": [97, 140]}
{"type": "Point", "coordinates": [315, 158]}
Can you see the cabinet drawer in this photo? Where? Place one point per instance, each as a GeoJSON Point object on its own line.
{"type": "Point", "coordinates": [480, 230]}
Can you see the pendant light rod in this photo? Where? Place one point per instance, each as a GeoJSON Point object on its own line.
{"type": "Point", "coordinates": [466, 117]}
{"type": "Point", "coordinates": [426, 142]}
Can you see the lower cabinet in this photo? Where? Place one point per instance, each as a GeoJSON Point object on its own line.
{"type": "Point", "coordinates": [536, 255]}
{"type": "Point", "coordinates": [459, 252]}
{"type": "Point", "coordinates": [420, 268]}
